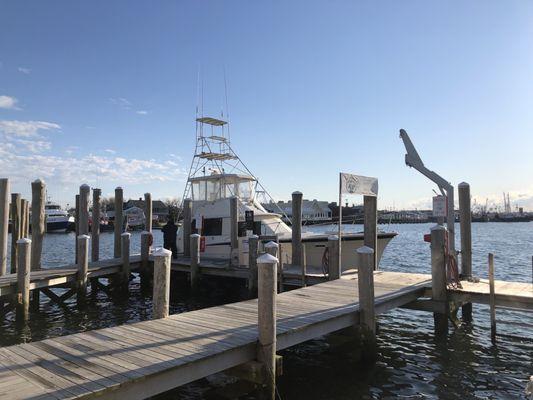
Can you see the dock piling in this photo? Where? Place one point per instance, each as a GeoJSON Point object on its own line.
{"type": "Point", "coordinates": [148, 212]}
{"type": "Point", "coordinates": [438, 276]}
{"type": "Point", "coordinates": [370, 205]}
{"type": "Point", "coordinates": [334, 271]}
{"type": "Point", "coordinates": [25, 219]}
{"type": "Point", "coordinates": [38, 225]}
{"type": "Point", "coordinates": [76, 226]}
{"type": "Point", "coordinates": [119, 204]}
{"type": "Point", "coordinates": [266, 303]}
{"type": "Point", "coordinates": [146, 239]}
{"type": "Point", "coordinates": [23, 279]}
{"type": "Point", "coordinates": [465, 220]}
{"type": "Point", "coordinates": [161, 296]}
{"type": "Point", "coordinates": [125, 245]}
{"type": "Point", "coordinates": [234, 221]}
{"type": "Point", "coordinates": [365, 274]}
{"type": "Point", "coordinates": [492, 300]}
{"type": "Point", "coordinates": [297, 229]}
{"type": "Point", "coordinates": [187, 223]}
{"type": "Point", "coordinates": [195, 260]}
{"type": "Point", "coordinates": [95, 226]}
{"type": "Point", "coordinates": [15, 229]}
{"type": "Point", "coordinates": [272, 248]}
{"type": "Point", "coordinates": [83, 266]}
{"type": "Point", "coordinates": [253, 242]}
{"type": "Point", "coordinates": [4, 223]}
{"type": "Point", "coordinates": [84, 209]}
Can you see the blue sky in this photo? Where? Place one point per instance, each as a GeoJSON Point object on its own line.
{"type": "Point", "coordinates": [104, 93]}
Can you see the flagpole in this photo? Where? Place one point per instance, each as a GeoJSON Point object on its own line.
{"type": "Point", "coordinates": [340, 222]}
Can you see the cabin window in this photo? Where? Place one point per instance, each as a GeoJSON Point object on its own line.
{"type": "Point", "coordinates": [212, 227]}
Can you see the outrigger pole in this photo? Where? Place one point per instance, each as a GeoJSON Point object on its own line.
{"type": "Point", "coordinates": [413, 160]}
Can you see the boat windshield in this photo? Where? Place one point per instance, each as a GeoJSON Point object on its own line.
{"type": "Point", "coordinates": [221, 186]}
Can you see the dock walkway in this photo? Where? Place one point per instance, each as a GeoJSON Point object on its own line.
{"type": "Point", "coordinates": [139, 360]}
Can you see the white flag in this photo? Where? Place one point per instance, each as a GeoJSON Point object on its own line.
{"type": "Point", "coordinates": [357, 184]}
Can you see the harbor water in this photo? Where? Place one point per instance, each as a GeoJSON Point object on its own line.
{"type": "Point", "coordinates": [411, 362]}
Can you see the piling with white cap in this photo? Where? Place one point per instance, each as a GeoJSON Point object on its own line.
{"type": "Point", "coordinates": [161, 295]}
{"type": "Point", "coordinates": [266, 303]}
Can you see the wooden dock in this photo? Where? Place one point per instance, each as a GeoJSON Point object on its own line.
{"type": "Point", "coordinates": [139, 360]}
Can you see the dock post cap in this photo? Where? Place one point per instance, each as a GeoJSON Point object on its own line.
{"type": "Point", "coordinates": [463, 184]}
{"type": "Point", "coordinates": [195, 235]}
{"type": "Point", "coordinates": [161, 252]}
{"type": "Point", "coordinates": [38, 181]}
{"type": "Point", "coordinates": [23, 241]}
{"type": "Point", "coordinates": [97, 190]}
{"type": "Point", "coordinates": [365, 250]}
{"type": "Point", "coordinates": [125, 234]}
{"type": "Point", "coordinates": [118, 188]}
{"type": "Point", "coordinates": [333, 237]}
{"type": "Point", "coordinates": [253, 237]}
{"type": "Point", "coordinates": [267, 259]}
{"type": "Point", "coordinates": [271, 244]}
{"type": "Point", "coordinates": [148, 194]}
{"type": "Point", "coordinates": [296, 193]}
{"type": "Point", "coordinates": [438, 228]}
{"type": "Point", "coordinates": [146, 233]}
{"type": "Point", "coordinates": [84, 237]}
{"type": "Point", "coordinates": [85, 187]}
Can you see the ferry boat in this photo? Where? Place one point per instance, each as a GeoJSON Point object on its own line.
{"type": "Point", "coordinates": [217, 174]}
{"type": "Point", "coordinates": [57, 219]}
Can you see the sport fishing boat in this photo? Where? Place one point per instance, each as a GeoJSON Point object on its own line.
{"type": "Point", "coordinates": [57, 219]}
{"type": "Point", "coordinates": [216, 175]}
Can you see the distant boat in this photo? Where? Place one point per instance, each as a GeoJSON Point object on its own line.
{"type": "Point", "coordinates": [57, 219]}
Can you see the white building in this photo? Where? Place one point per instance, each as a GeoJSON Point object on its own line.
{"type": "Point", "coordinates": [312, 210]}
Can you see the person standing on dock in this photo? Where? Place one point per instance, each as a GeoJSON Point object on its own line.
{"type": "Point", "coordinates": [170, 232]}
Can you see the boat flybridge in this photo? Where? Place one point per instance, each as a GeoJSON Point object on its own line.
{"type": "Point", "coordinates": [216, 175]}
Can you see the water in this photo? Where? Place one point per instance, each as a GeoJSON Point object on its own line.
{"type": "Point", "coordinates": [411, 362]}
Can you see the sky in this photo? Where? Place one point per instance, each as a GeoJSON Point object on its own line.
{"type": "Point", "coordinates": [105, 93]}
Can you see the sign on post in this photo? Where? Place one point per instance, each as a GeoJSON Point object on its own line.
{"type": "Point", "coordinates": [440, 206]}
{"type": "Point", "coordinates": [249, 219]}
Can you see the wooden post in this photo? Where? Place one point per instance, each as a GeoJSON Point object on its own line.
{"type": "Point", "coordinates": [95, 227]}
{"type": "Point", "coordinates": [266, 303]}
{"type": "Point", "coordinates": [365, 274]}
{"type": "Point", "coordinates": [370, 204]}
{"type": "Point", "coordinates": [83, 266]}
{"type": "Point", "coordinates": [84, 210]}
{"type": "Point", "coordinates": [76, 225]}
{"type": "Point", "coordinates": [38, 194]}
{"type": "Point", "coordinates": [334, 272]}
{"type": "Point", "coordinates": [492, 300]}
{"type": "Point", "coordinates": [272, 248]}
{"type": "Point", "coordinates": [253, 242]}
{"type": "Point", "coordinates": [186, 228]}
{"type": "Point", "coordinates": [304, 267]}
{"type": "Point", "coordinates": [234, 221]}
{"type": "Point", "coordinates": [23, 279]}
{"type": "Point", "coordinates": [119, 203]}
{"type": "Point", "coordinates": [23, 217]}
{"type": "Point", "coordinates": [4, 223]}
{"type": "Point", "coordinates": [146, 239]}
{"type": "Point", "coordinates": [15, 229]}
{"type": "Point", "coordinates": [297, 229]}
{"type": "Point", "coordinates": [195, 260]}
{"type": "Point", "coordinates": [148, 212]}
{"type": "Point", "coordinates": [125, 239]}
{"type": "Point", "coordinates": [161, 297]}
{"type": "Point", "coordinates": [465, 220]}
{"type": "Point", "coordinates": [438, 276]}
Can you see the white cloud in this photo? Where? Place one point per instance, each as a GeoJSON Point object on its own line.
{"type": "Point", "coordinates": [26, 128]}
{"type": "Point", "coordinates": [24, 70]}
{"type": "Point", "coordinates": [142, 112]}
{"type": "Point", "coordinates": [110, 151]}
{"type": "Point", "coordinates": [121, 102]}
{"type": "Point", "coordinates": [8, 103]}
{"type": "Point", "coordinates": [33, 146]}
{"type": "Point", "coordinates": [71, 149]}
{"type": "Point", "coordinates": [89, 168]}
